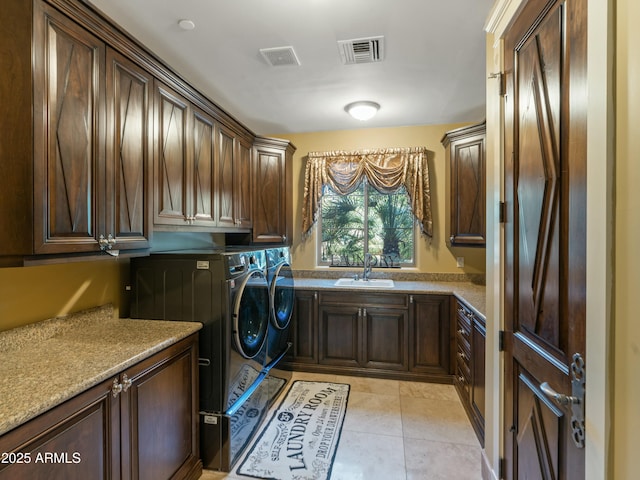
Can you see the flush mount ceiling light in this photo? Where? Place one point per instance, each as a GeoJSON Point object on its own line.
{"type": "Point", "coordinates": [186, 24]}
{"type": "Point", "coordinates": [362, 110]}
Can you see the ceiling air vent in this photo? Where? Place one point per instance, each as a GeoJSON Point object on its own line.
{"type": "Point", "coordinates": [361, 50]}
{"type": "Point", "coordinates": [280, 56]}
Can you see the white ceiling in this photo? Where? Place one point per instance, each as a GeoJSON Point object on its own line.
{"type": "Point", "coordinates": [433, 71]}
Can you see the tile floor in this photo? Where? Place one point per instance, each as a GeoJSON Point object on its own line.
{"type": "Point", "coordinates": [396, 430]}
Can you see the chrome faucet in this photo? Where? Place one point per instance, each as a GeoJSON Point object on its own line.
{"type": "Point", "coordinates": [367, 267]}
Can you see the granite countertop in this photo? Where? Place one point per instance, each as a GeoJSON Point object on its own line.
{"type": "Point", "coordinates": [46, 363]}
{"type": "Point", "coordinates": [472, 294]}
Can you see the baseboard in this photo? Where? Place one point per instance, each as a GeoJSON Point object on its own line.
{"type": "Point", "coordinates": [487, 471]}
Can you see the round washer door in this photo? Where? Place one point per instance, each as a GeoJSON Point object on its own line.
{"type": "Point", "coordinates": [251, 314]}
{"type": "Point", "coordinates": [282, 296]}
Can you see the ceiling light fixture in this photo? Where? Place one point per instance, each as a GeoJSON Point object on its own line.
{"type": "Point", "coordinates": [362, 110]}
{"type": "Point", "coordinates": [186, 24]}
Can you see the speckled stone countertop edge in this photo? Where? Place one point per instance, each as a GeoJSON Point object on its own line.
{"type": "Point", "coordinates": [31, 381]}
{"type": "Point", "coordinates": [472, 294]}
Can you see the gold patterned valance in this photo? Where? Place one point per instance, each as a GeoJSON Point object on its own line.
{"type": "Point", "coordinates": [386, 170]}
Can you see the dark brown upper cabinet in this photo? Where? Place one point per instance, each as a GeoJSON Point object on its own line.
{"type": "Point", "coordinates": [233, 187]}
{"type": "Point", "coordinates": [465, 155]}
{"type": "Point", "coordinates": [272, 197]}
{"type": "Point", "coordinates": [75, 135]}
{"type": "Point", "coordinates": [129, 148]}
{"type": "Point", "coordinates": [69, 130]}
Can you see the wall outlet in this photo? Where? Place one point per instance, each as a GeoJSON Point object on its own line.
{"type": "Point", "coordinates": [460, 262]}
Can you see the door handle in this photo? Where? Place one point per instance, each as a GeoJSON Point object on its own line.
{"type": "Point", "coordinates": [576, 399]}
{"type": "Point", "coordinates": [560, 398]}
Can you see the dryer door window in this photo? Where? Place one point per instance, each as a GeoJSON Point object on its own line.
{"type": "Point", "coordinates": [251, 314]}
{"type": "Point", "coordinates": [282, 296]}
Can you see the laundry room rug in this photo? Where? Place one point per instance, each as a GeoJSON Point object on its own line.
{"type": "Point", "coordinates": [301, 438]}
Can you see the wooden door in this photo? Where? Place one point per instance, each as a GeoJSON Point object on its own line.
{"type": "Point", "coordinates": [159, 420]}
{"type": "Point", "coordinates": [129, 149]}
{"type": "Point", "coordinates": [270, 206]}
{"type": "Point", "coordinates": [226, 186]}
{"type": "Point", "coordinates": [242, 174]}
{"type": "Point", "coordinates": [68, 133]}
{"type": "Point", "coordinates": [339, 335]}
{"type": "Point", "coordinates": [303, 333]}
{"type": "Point", "coordinates": [76, 440]}
{"type": "Point", "coordinates": [429, 351]}
{"type": "Point", "coordinates": [545, 172]}
{"type": "Point", "coordinates": [203, 198]}
{"type": "Point", "coordinates": [171, 157]}
{"type": "Point", "coordinates": [384, 333]}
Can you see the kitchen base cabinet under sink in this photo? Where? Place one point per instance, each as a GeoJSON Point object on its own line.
{"type": "Point", "coordinates": [387, 335]}
{"type": "Point", "coordinates": [140, 423]}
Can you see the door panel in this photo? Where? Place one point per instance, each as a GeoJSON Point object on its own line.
{"type": "Point", "coordinates": [203, 173]}
{"type": "Point", "coordinates": [545, 64]}
{"type": "Point", "coordinates": [128, 152]}
{"type": "Point", "coordinates": [171, 157]}
{"type": "Point", "coordinates": [69, 87]}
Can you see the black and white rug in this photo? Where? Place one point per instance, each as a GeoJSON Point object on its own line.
{"type": "Point", "coordinates": [301, 439]}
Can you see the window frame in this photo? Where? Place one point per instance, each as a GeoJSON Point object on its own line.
{"type": "Point", "coordinates": [320, 263]}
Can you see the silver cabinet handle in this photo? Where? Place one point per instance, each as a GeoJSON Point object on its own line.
{"type": "Point", "coordinates": [116, 388]}
{"type": "Point", "coordinates": [106, 243]}
{"type": "Point", "coordinates": [126, 382]}
{"type": "Point", "coordinates": [364, 312]}
{"type": "Point", "coordinates": [410, 298]}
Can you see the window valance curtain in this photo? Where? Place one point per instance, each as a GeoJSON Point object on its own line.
{"type": "Point", "coordinates": [386, 170]}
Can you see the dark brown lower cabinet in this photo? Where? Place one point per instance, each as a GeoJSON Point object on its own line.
{"type": "Point", "coordinates": [141, 423]}
{"type": "Point", "coordinates": [430, 333]}
{"type": "Point", "coordinates": [303, 332]}
{"type": "Point", "coordinates": [372, 334]}
{"type": "Point", "coordinates": [470, 365]}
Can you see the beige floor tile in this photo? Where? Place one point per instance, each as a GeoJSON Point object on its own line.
{"type": "Point", "coordinates": [427, 460]}
{"type": "Point", "coordinates": [372, 413]}
{"type": "Point", "coordinates": [433, 391]}
{"type": "Point", "coordinates": [363, 456]}
{"type": "Point", "coordinates": [437, 420]}
{"type": "Point", "coordinates": [371, 385]}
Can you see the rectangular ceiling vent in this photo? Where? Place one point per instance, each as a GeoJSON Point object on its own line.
{"type": "Point", "coordinates": [280, 56]}
{"type": "Point", "coordinates": [361, 50]}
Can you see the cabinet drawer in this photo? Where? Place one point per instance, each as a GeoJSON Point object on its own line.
{"type": "Point", "coordinates": [462, 380]}
{"type": "Point", "coordinates": [364, 299]}
{"type": "Point", "coordinates": [463, 332]}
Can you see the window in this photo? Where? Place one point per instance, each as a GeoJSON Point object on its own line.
{"type": "Point", "coordinates": [366, 221]}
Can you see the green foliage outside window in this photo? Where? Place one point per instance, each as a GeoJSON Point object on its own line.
{"type": "Point", "coordinates": [366, 221]}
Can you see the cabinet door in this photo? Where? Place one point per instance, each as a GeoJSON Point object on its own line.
{"type": "Point", "coordinates": [68, 134]}
{"type": "Point", "coordinates": [339, 335]}
{"type": "Point", "coordinates": [430, 334]}
{"type": "Point", "coordinates": [171, 157]}
{"type": "Point", "coordinates": [83, 434]}
{"type": "Point", "coordinates": [225, 180]}
{"type": "Point", "coordinates": [384, 334]}
{"type": "Point", "coordinates": [478, 339]}
{"type": "Point", "coordinates": [270, 205]}
{"type": "Point", "coordinates": [202, 175]}
{"type": "Point", "coordinates": [466, 152]}
{"type": "Point", "coordinates": [242, 173]}
{"type": "Point", "coordinates": [303, 332]}
{"type": "Point", "coordinates": [129, 147]}
{"type": "Point", "coordinates": [162, 405]}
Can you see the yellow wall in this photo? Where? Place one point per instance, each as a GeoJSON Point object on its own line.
{"type": "Point", "coordinates": [31, 294]}
{"type": "Point", "coordinates": [433, 255]}
{"type": "Point", "coordinates": [626, 425]}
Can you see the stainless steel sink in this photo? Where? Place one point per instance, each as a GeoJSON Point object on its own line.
{"type": "Point", "coordinates": [380, 283]}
